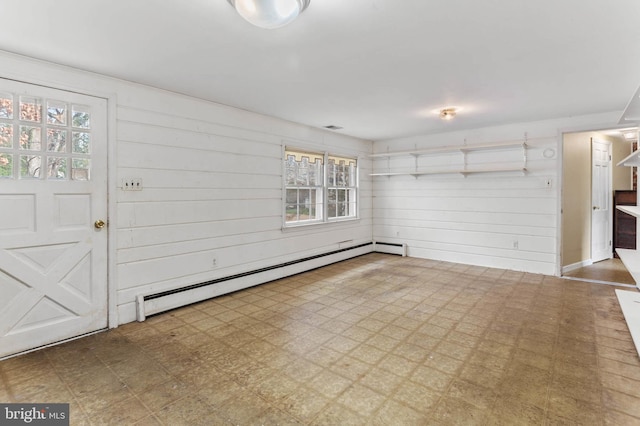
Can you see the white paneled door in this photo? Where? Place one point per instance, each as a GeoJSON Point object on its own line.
{"type": "Point", "coordinates": [601, 214]}
{"type": "Point", "coordinates": [53, 214]}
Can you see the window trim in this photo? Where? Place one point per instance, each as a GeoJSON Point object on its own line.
{"type": "Point", "coordinates": [324, 220]}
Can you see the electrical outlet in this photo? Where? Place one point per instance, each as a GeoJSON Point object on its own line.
{"type": "Point", "coordinates": [214, 262]}
{"type": "Point", "coordinates": [515, 244]}
{"type": "Point", "coordinates": [132, 184]}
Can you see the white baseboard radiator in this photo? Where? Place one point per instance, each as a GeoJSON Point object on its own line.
{"type": "Point", "coordinates": [390, 248]}
{"type": "Point", "coordinates": [151, 304]}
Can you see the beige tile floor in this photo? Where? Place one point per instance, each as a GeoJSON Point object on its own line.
{"type": "Point", "coordinates": [376, 340]}
{"type": "Point", "coordinates": [610, 270]}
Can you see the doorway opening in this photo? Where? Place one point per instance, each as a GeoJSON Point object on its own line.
{"type": "Point", "coordinates": [593, 186]}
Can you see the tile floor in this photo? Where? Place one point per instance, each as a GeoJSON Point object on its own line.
{"type": "Point", "coordinates": [610, 270]}
{"type": "Point", "coordinates": [376, 340]}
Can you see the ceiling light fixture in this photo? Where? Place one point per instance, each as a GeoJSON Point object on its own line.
{"type": "Point", "coordinates": [447, 113]}
{"type": "Point", "coordinates": [269, 14]}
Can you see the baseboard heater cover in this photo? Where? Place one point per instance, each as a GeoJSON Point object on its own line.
{"type": "Point", "coordinates": [151, 304]}
{"type": "Point", "coordinates": [390, 248]}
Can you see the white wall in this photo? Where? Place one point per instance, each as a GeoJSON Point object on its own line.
{"type": "Point", "coordinates": [503, 220]}
{"type": "Point", "coordinates": [212, 179]}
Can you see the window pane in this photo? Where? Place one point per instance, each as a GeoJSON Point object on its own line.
{"type": "Point", "coordinates": [343, 210]}
{"type": "Point", "coordinates": [6, 135]}
{"type": "Point", "coordinates": [6, 165]}
{"type": "Point", "coordinates": [80, 169]}
{"type": "Point", "coordinates": [56, 168]}
{"type": "Point", "coordinates": [30, 166]}
{"type": "Point", "coordinates": [315, 173]}
{"type": "Point", "coordinates": [352, 175]}
{"type": "Point", "coordinates": [30, 138]}
{"type": "Point", "coordinates": [57, 113]}
{"type": "Point", "coordinates": [303, 169]}
{"type": "Point", "coordinates": [6, 105]}
{"type": "Point", "coordinates": [56, 140]}
{"type": "Point", "coordinates": [30, 109]}
{"type": "Point", "coordinates": [303, 172]}
{"type": "Point", "coordinates": [80, 117]}
{"type": "Point", "coordinates": [312, 212]}
{"type": "Point", "coordinates": [292, 196]}
{"type": "Point", "coordinates": [291, 213]}
{"type": "Point", "coordinates": [331, 173]}
{"type": "Point", "coordinates": [291, 171]}
{"type": "Point", "coordinates": [310, 208]}
{"type": "Point", "coordinates": [331, 210]}
{"type": "Point", "coordinates": [303, 204]}
{"type": "Point", "coordinates": [81, 143]}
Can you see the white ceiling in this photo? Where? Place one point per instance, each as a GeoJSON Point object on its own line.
{"type": "Point", "coordinates": [378, 68]}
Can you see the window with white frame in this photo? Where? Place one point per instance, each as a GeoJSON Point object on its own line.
{"type": "Point", "coordinates": [319, 187]}
{"type": "Point", "coordinates": [341, 187]}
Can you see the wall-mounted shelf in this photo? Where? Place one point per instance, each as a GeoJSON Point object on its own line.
{"type": "Point", "coordinates": [453, 172]}
{"type": "Point", "coordinates": [457, 148]}
{"type": "Point", "coordinates": [463, 169]}
{"type": "Point", "coordinates": [631, 160]}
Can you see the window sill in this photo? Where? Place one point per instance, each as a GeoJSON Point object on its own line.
{"type": "Point", "coordinates": [311, 225]}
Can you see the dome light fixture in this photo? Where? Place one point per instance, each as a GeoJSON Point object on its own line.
{"type": "Point", "coordinates": [448, 113]}
{"type": "Point", "coordinates": [269, 14]}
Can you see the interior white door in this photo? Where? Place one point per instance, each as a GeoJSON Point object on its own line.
{"type": "Point", "coordinates": [601, 214]}
{"type": "Point", "coordinates": [53, 212]}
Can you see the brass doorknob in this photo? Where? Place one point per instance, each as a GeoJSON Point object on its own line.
{"type": "Point", "coordinates": [99, 224]}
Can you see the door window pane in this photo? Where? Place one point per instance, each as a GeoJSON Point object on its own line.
{"type": "Point", "coordinates": [6, 105]}
{"type": "Point", "coordinates": [30, 138]}
{"type": "Point", "coordinates": [6, 166]}
{"type": "Point", "coordinates": [80, 169]}
{"type": "Point", "coordinates": [56, 140]}
{"type": "Point", "coordinates": [30, 109]}
{"type": "Point", "coordinates": [6, 135]}
{"type": "Point", "coordinates": [81, 143]}
{"type": "Point", "coordinates": [30, 166]}
{"type": "Point", "coordinates": [57, 113]}
{"type": "Point", "coordinates": [80, 117]}
{"type": "Point", "coordinates": [56, 168]}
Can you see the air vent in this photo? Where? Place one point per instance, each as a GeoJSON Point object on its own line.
{"type": "Point", "coordinates": [332, 127]}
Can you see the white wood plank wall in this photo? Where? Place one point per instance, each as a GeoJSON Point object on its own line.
{"type": "Point", "coordinates": [213, 190]}
{"type": "Point", "coordinates": [503, 220]}
{"type": "Point", "coordinates": [212, 185]}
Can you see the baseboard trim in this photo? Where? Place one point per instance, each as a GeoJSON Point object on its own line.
{"type": "Point", "coordinates": [576, 265]}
